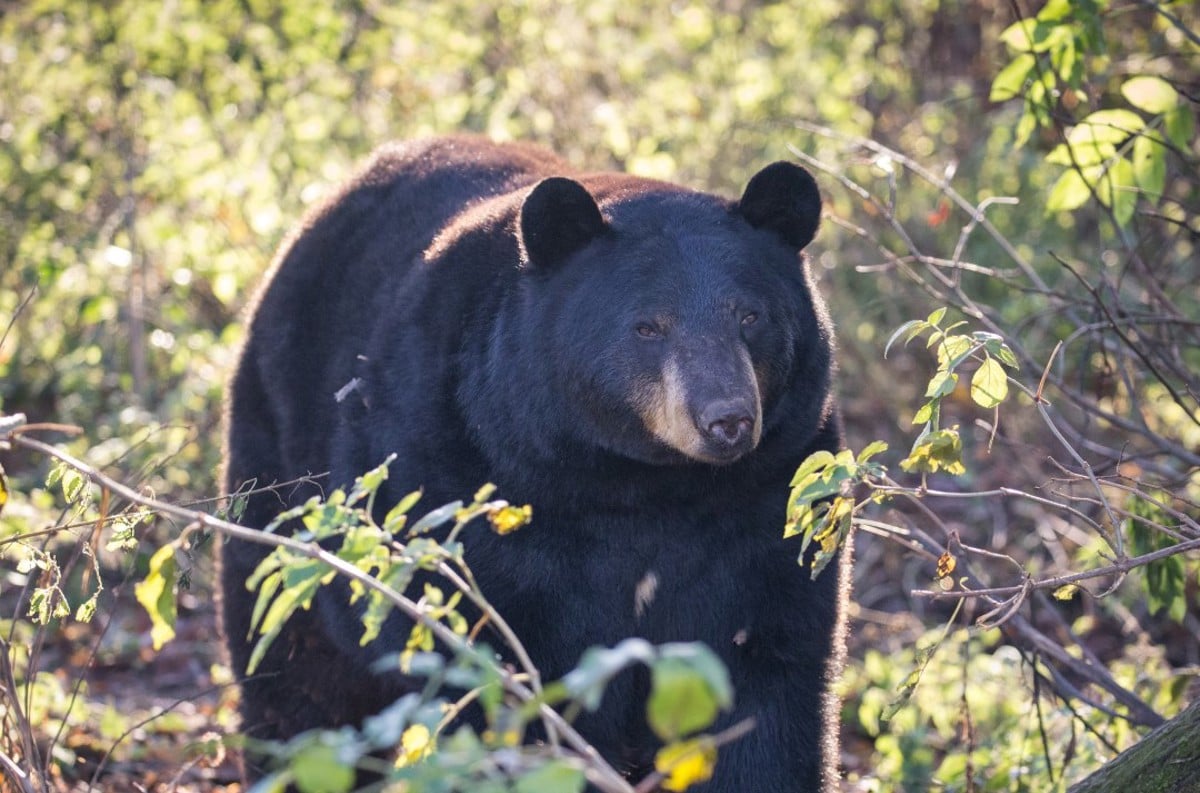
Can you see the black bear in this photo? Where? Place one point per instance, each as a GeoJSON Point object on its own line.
{"type": "Point", "coordinates": [644, 364]}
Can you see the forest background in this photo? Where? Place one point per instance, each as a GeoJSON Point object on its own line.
{"type": "Point", "coordinates": [1027, 547]}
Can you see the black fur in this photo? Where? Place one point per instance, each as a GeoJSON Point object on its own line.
{"type": "Point", "coordinates": [500, 319]}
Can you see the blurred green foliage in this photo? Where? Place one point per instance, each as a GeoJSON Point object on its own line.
{"type": "Point", "coordinates": [967, 729]}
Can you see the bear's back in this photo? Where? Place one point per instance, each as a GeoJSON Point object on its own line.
{"type": "Point", "coordinates": [350, 259]}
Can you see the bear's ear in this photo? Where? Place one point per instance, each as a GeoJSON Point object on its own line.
{"type": "Point", "coordinates": [559, 217]}
{"type": "Point", "coordinates": [783, 198]}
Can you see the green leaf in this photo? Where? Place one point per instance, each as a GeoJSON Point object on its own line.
{"type": "Point", "coordinates": [437, 517]}
{"type": "Point", "coordinates": [1006, 356]}
{"type": "Point", "coordinates": [1025, 127]}
{"type": "Point", "coordinates": [1010, 82]}
{"type": "Point", "coordinates": [1180, 125]}
{"type": "Point", "coordinates": [913, 325]}
{"type": "Point", "coordinates": [936, 451]}
{"type": "Point", "coordinates": [397, 516]}
{"type": "Point", "coordinates": [122, 535]}
{"type": "Point", "coordinates": [1055, 11]}
{"type": "Point", "coordinates": [156, 594]}
{"type": "Point", "coordinates": [371, 480]}
{"type": "Point", "coordinates": [557, 776]}
{"type": "Point", "coordinates": [954, 350]}
{"type": "Point", "coordinates": [1149, 166]}
{"type": "Point", "coordinates": [872, 449]}
{"type": "Point", "coordinates": [54, 476]}
{"type": "Point", "coordinates": [72, 484]}
{"type": "Point", "coordinates": [1069, 192]}
{"type": "Point", "coordinates": [816, 461]}
{"type": "Point", "coordinates": [1106, 126]}
{"type": "Point", "coordinates": [319, 768]}
{"type": "Point", "coordinates": [1082, 154]}
{"type": "Point", "coordinates": [989, 385]}
{"type": "Point", "coordinates": [1151, 94]}
{"type": "Point", "coordinates": [704, 662]}
{"type": "Point", "coordinates": [681, 700]}
{"type": "Point", "coordinates": [586, 682]}
{"type": "Point", "coordinates": [996, 347]}
{"type": "Point", "coordinates": [1019, 36]}
{"type": "Point", "coordinates": [1118, 189]}
{"type": "Point", "coordinates": [941, 384]}
{"type": "Point", "coordinates": [835, 528]}
{"type": "Point", "coordinates": [87, 609]}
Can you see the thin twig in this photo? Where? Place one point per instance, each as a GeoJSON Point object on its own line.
{"type": "Point", "coordinates": [602, 774]}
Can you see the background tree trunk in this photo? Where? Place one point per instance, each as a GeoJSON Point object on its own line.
{"type": "Point", "coordinates": [1165, 761]}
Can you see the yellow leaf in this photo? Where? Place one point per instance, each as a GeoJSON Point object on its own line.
{"type": "Point", "coordinates": [945, 565]}
{"type": "Point", "coordinates": [1065, 592]}
{"type": "Point", "coordinates": [686, 763]}
{"type": "Point", "coordinates": [508, 518]}
{"type": "Point", "coordinates": [415, 745]}
{"type": "Point", "coordinates": [156, 594]}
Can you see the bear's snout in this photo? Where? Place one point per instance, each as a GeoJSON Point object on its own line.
{"type": "Point", "coordinates": [729, 424]}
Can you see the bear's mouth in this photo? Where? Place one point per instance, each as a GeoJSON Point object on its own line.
{"type": "Point", "coordinates": [720, 452]}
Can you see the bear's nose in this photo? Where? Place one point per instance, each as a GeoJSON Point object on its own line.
{"type": "Point", "coordinates": [730, 423]}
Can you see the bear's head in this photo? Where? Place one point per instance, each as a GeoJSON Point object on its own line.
{"type": "Point", "coordinates": [677, 327]}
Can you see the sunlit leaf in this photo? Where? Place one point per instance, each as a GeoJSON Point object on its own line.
{"type": "Point", "coordinates": [816, 461]}
{"type": "Point", "coordinates": [1106, 126]}
{"type": "Point", "coordinates": [87, 609]}
{"type": "Point", "coordinates": [72, 484]}
{"type": "Point", "coordinates": [371, 480]}
{"type": "Point", "coordinates": [1020, 35]}
{"type": "Point", "coordinates": [1149, 166]}
{"type": "Point", "coordinates": [953, 350]}
{"type": "Point", "coordinates": [871, 449]}
{"type": "Point", "coordinates": [1117, 189]}
{"type": "Point", "coordinates": [1151, 94]}
{"type": "Point", "coordinates": [1055, 10]}
{"type": "Point", "coordinates": [1069, 192]}
{"type": "Point", "coordinates": [936, 451]}
{"type": "Point", "coordinates": [156, 594]}
{"type": "Point", "coordinates": [941, 384]}
{"type": "Point", "coordinates": [1082, 153]}
{"type": "Point", "coordinates": [989, 384]}
{"type": "Point", "coordinates": [1011, 79]}
{"type": "Point", "coordinates": [1066, 592]}
{"type": "Point", "coordinates": [913, 326]}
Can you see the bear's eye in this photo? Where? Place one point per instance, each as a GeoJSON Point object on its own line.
{"type": "Point", "coordinates": [648, 331]}
{"type": "Point", "coordinates": [750, 318]}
